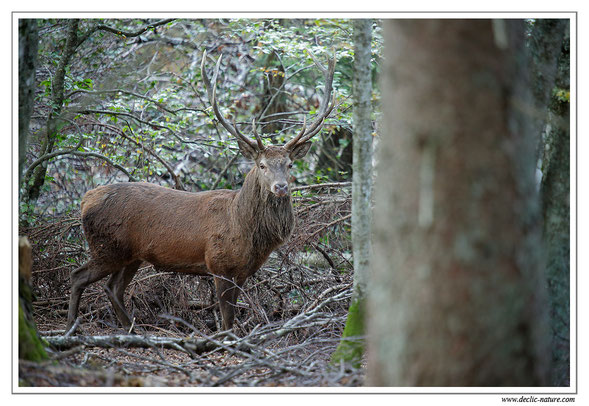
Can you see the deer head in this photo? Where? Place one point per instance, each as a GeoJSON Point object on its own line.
{"type": "Point", "coordinates": [273, 162]}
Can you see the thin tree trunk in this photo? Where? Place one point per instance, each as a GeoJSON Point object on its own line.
{"type": "Point", "coordinates": [352, 349]}
{"type": "Point", "coordinates": [456, 290]}
{"type": "Point", "coordinates": [28, 40]}
{"type": "Point", "coordinates": [57, 96]}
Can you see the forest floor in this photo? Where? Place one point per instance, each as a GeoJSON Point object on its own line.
{"type": "Point", "coordinates": [276, 363]}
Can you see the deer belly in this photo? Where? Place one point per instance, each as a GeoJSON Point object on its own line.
{"type": "Point", "coordinates": [170, 253]}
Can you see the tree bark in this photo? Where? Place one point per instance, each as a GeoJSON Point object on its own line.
{"type": "Point", "coordinates": [456, 289]}
{"type": "Point", "coordinates": [555, 192]}
{"type": "Point", "coordinates": [545, 42]}
{"type": "Point", "coordinates": [30, 345]}
{"type": "Point", "coordinates": [28, 40]}
{"type": "Point", "coordinates": [351, 350]}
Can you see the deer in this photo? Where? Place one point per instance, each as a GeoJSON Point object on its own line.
{"type": "Point", "coordinates": [226, 234]}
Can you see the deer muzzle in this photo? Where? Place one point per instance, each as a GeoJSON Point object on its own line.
{"type": "Point", "coordinates": [280, 189]}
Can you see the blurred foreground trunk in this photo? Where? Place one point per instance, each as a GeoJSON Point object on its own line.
{"type": "Point", "coordinates": [457, 295]}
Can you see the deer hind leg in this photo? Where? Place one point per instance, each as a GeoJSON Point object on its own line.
{"type": "Point", "coordinates": [115, 291]}
{"type": "Point", "coordinates": [227, 293]}
{"type": "Point", "coordinates": [81, 277]}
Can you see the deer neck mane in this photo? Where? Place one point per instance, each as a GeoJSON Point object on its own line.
{"type": "Point", "coordinates": [265, 219]}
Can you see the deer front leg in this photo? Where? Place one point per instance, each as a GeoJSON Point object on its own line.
{"type": "Point", "coordinates": [227, 292]}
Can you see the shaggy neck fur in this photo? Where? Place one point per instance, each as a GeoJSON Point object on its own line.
{"type": "Point", "coordinates": [263, 218]}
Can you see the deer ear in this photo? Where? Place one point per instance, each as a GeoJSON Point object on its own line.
{"type": "Point", "coordinates": [300, 150]}
{"type": "Point", "coordinates": [247, 150]}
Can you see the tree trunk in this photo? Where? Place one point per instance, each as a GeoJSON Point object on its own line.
{"type": "Point", "coordinates": [274, 100]}
{"type": "Point", "coordinates": [57, 98]}
{"type": "Point", "coordinates": [352, 350]}
{"type": "Point", "coordinates": [456, 288]}
{"type": "Point", "coordinates": [30, 345]}
{"type": "Point", "coordinates": [28, 40]}
{"type": "Point", "coordinates": [545, 42]}
{"type": "Point", "coordinates": [555, 191]}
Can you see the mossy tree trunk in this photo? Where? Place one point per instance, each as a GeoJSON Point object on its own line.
{"type": "Point", "coordinates": [30, 346]}
{"type": "Point", "coordinates": [456, 293]}
{"type": "Point", "coordinates": [351, 348]}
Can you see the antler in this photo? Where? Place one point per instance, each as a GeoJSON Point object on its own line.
{"type": "Point", "coordinates": [325, 108]}
{"type": "Point", "coordinates": [212, 92]}
{"type": "Point", "coordinates": [258, 139]}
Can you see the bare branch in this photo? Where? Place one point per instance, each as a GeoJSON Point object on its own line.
{"type": "Point", "coordinates": [107, 159]}
{"type": "Point", "coordinates": [122, 91]}
{"type": "Point", "coordinates": [126, 34]}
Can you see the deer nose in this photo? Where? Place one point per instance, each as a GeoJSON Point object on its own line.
{"type": "Point", "coordinates": [280, 189]}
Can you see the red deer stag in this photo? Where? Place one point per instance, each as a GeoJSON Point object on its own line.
{"type": "Point", "coordinates": [228, 234]}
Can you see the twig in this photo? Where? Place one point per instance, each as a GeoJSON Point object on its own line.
{"type": "Point", "coordinates": [321, 185]}
{"type": "Point", "coordinates": [327, 258]}
{"type": "Point", "coordinates": [67, 353]}
{"type": "Point", "coordinates": [73, 328]}
{"type": "Point", "coordinates": [104, 158]}
{"type": "Point", "coordinates": [334, 222]}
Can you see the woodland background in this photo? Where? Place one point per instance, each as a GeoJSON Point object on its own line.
{"type": "Point", "coordinates": [481, 198]}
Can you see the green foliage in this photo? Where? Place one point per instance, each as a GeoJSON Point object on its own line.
{"type": "Point", "coordinates": [562, 95]}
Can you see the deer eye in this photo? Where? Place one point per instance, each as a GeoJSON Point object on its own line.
{"type": "Point", "coordinates": [262, 166]}
{"type": "Point", "coordinates": [290, 165]}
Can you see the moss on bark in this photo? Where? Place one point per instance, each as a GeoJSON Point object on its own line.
{"type": "Point", "coordinates": [30, 345]}
{"type": "Point", "coordinates": [351, 348]}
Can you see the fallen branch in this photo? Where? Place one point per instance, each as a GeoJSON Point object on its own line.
{"type": "Point", "coordinates": [339, 185]}
{"type": "Point", "coordinates": [189, 345]}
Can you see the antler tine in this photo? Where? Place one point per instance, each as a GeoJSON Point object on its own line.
{"type": "Point", "coordinates": [328, 73]}
{"type": "Point", "coordinates": [212, 94]}
{"type": "Point", "coordinates": [317, 125]}
{"type": "Point", "coordinates": [316, 61]}
{"type": "Point", "coordinates": [328, 83]}
{"type": "Point", "coordinates": [289, 145]}
{"type": "Point", "coordinates": [258, 139]}
{"type": "Point", "coordinates": [238, 134]}
{"type": "Point", "coordinates": [205, 78]}
{"type": "Point", "coordinates": [319, 121]}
